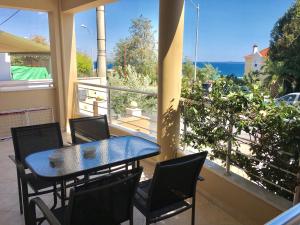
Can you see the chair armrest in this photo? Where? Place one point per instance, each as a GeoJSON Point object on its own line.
{"type": "Point", "coordinates": [12, 158]}
{"type": "Point", "coordinates": [19, 165]}
{"type": "Point", "coordinates": [68, 144]}
{"type": "Point", "coordinates": [50, 217]}
{"type": "Point", "coordinates": [20, 169]}
{"type": "Point", "coordinates": [200, 178]}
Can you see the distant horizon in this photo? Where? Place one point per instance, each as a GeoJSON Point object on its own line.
{"type": "Point", "coordinates": [225, 68]}
{"type": "Point", "coordinates": [109, 62]}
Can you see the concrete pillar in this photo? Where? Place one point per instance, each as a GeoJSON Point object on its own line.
{"type": "Point", "coordinates": [63, 58]}
{"type": "Point", "coordinates": [171, 24]}
{"type": "Point", "coordinates": [69, 60]}
{"type": "Point", "coordinates": [56, 64]}
{"type": "Point", "coordinates": [101, 45]}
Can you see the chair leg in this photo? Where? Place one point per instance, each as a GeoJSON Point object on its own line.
{"type": "Point", "coordinates": [63, 193]}
{"type": "Point", "coordinates": [32, 214]}
{"type": "Point", "coordinates": [131, 216]}
{"type": "Point", "coordinates": [193, 212]}
{"type": "Point", "coordinates": [25, 201]}
{"type": "Point", "coordinates": [147, 221]}
{"type": "Point", "coordinates": [20, 193]}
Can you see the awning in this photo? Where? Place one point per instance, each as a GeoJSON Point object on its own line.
{"type": "Point", "coordinates": [29, 73]}
{"type": "Point", "coordinates": [14, 44]}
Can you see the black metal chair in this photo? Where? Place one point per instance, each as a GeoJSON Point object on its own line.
{"type": "Point", "coordinates": [174, 181]}
{"type": "Point", "coordinates": [88, 129]}
{"type": "Point", "coordinates": [28, 140]}
{"type": "Point", "coordinates": [108, 201]}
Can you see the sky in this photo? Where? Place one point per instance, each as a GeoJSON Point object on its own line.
{"type": "Point", "coordinates": [227, 29]}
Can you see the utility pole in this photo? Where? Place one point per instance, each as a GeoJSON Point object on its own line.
{"type": "Point", "coordinates": [197, 6]}
{"type": "Point", "coordinates": [101, 45]}
{"type": "Point", "coordinates": [91, 35]}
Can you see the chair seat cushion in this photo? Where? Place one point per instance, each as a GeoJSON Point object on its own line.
{"type": "Point", "coordinates": [37, 184]}
{"type": "Point", "coordinates": [141, 198]}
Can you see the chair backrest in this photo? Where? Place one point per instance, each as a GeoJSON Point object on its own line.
{"type": "Point", "coordinates": [107, 202]}
{"type": "Point", "coordinates": [175, 180]}
{"type": "Point", "coordinates": [88, 129]}
{"type": "Point", "coordinates": [35, 138]}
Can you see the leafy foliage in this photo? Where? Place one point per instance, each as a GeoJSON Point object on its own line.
{"type": "Point", "coordinates": [39, 39]}
{"type": "Point", "coordinates": [138, 50]}
{"type": "Point", "coordinates": [285, 47]}
{"type": "Point", "coordinates": [205, 74]}
{"type": "Point", "coordinates": [121, 100]}
{"type": "Point", "coordinates": [217, 119]}
{"type": "Point", "coordinates": [275, 148]}
{"type": "Point", "coordinates": [84, 65]}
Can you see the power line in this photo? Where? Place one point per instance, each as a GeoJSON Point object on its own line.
{"type": "Point", "coordinates": [8, 18]}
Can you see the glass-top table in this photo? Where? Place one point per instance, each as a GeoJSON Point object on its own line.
{"type": "Point", "coordinates": [69, 162]}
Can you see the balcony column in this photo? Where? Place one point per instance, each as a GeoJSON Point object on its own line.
{"type": "Point", "coordinates": [171, 25]}
{"type": "Point", "coordinates": [63, 59]}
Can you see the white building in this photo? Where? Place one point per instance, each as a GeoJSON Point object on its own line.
{"type": "Point", "coordinates": [4, 66]}
{"type": "Point", "coordinates": [256, 60]}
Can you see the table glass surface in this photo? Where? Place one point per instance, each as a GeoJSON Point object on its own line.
{"type": "Point", "coordinates": [102, 154]}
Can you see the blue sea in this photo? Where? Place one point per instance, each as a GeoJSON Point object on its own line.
{"type": "Point", "coordinates": [225, 68]}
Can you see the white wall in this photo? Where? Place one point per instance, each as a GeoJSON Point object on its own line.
{"type": "Point", "coordinates": [4, 67]}
{"type": "Point", "coordinates": [257, 62]}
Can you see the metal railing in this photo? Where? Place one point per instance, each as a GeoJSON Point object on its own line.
{"type": "Point", "coordinates": [96, 99]}
{"type": "Point", "coordinates": [13, 85]}
{"type": "Point", "coordinates": [289, 217]}
{"type": "Point", "coordinates": [229, 164]}
{"type": "Point", "coordinates": [87, 94]}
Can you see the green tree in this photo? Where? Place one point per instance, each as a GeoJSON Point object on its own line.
{"type": "Point", "coordinates": [84, 65]}
{"type": "Point", "coordinates": [138, 50]}
{"type": "Point", "coordinates": [120, 100]}
{"type": "Point", "coordinates": [188, 69]}
{"type": "Point", "coordinates": [203, 75]}
{"type": "Point", "coordinates": [285, 48]}
{"type": "Point", "coordinates": [39, 39]}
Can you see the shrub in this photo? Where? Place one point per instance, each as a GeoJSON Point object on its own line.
{"type": "Point", "coordinates": [120, 100]}
{"type": "Point", "coordinates": [217, 119]}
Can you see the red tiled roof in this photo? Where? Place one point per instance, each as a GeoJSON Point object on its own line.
{"type": "Point", "coordinates": [264, 53]}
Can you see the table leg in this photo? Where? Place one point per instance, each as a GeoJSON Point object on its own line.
{"type": "Point", "coordinates": [63, 193]}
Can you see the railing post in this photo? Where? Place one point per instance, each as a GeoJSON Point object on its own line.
{"type": "Point", "coordinates": [26, 113]}
{"type": "Point", "coordinates": [95, 108]}
{"type": "Point", "coordinates": [109, 105]}
{"type": "Point", "coordinates": [228, 153]}
{"type": "Point", "coordinates": [296, 199]}
{"type": "Point", "coordinates": [184, 125]}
